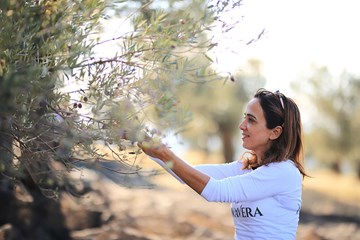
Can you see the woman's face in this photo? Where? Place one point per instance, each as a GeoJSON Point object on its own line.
{"type": "Point", "coordinates": [255, 135]}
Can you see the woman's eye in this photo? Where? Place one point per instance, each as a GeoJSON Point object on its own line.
{"type": "Point", "coordinates": [251, 120]}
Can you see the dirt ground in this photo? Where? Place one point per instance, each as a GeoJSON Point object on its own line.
{"type": "Point", "coordinates": [173, 211]}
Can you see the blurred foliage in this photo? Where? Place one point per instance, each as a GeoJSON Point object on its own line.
{"type": "Point", "coordinates": [65, 107]}
{"type": "Point", "coordinates": [40, 41]}
{"type": "Point", "coordinates": [334, 135]}
{"type": "Point", "coordinates": [218, 107]}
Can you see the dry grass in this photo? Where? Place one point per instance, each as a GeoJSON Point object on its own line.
{"type": "Point", "coordinates": [343, 188]}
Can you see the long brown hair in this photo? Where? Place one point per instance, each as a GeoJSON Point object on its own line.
{"type": "Point", "coordinates": [280, 110]}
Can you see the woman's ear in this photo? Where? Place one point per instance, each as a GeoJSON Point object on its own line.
{"type": "Point", "coordinates": [275, 132]}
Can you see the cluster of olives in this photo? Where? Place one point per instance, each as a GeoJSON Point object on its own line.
{"type": "Point", "coordinates": [79, 104]}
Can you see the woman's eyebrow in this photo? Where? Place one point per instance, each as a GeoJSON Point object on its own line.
{"type": "Point", "coordinates": [249, 115]}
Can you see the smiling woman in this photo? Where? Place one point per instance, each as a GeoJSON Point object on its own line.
{"type": "Point", "coordinates": [264, 189]}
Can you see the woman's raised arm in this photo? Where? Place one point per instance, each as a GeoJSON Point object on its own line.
{"type": "Point", "coordinates": [192, 177]}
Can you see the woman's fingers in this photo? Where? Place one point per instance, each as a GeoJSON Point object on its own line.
{"type": "Point", "coordinates": [147, 145]}
{"type": "Point", "coordinates": [151, 148]}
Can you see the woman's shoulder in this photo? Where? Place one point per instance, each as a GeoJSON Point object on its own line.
{"type": "Point", "coordinates": [283, 174]}
{"type": "Point", "coordinates": [288, 163]}
{"type": "Point", "coordinates": [284, 168]}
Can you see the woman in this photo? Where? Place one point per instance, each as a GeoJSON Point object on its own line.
{"type": "Point", "coordinates": [265, 188]}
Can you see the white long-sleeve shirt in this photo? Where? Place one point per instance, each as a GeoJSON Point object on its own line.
{"type": "Point", "coordinates": [265, 203]}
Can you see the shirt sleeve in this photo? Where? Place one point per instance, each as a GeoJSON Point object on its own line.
{"type": "Point", "coordinates": [263, 182]}
{"type": "Point", "coordinates": [221, 171]}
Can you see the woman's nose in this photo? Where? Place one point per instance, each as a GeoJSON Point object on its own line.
{"type": "Point", "coordinates": [242, 125]}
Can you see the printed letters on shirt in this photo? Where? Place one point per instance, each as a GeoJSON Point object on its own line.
{"type": "Point", "coordinates": [246, 212]}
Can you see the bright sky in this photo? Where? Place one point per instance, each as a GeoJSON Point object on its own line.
{"type": "Point", "coordinates": [297, 34]}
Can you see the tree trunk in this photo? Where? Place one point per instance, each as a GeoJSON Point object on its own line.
{"type": "Point", "coordinates": [40, 219]}
{"type": "Point", "coordinates": [6, 158]}
{"type": "Point", "coordinates": [227, 146]}
{"type": "Point", "coordinates": [335, 166]}
{"type": "Point", "coordinates": [46, 215]}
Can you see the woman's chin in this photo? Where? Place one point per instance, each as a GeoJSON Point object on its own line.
{"type": "Point", "coordinates": [244, 145]}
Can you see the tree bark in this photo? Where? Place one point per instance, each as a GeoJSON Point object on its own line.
{"type": "Point", "coordinates": [40, 219]}
{"type": "Point", "coordinates": [227, 146]}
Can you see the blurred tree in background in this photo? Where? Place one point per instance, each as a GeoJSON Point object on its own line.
{"type": "Point", "coordinates": [334, 136]}
{"type": "Point", "coordinates": [218, 108]}
{"type": "Point", "coordinates": [47, 130]}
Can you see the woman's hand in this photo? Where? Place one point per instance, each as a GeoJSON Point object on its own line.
{"type": "Point", "coordinates": [155, 149]}
{"type": "Point", "coordinates": [192, 177]}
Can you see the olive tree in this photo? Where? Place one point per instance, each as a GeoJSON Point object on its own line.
{"type": "Point", "coordinates": [64, 107]}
